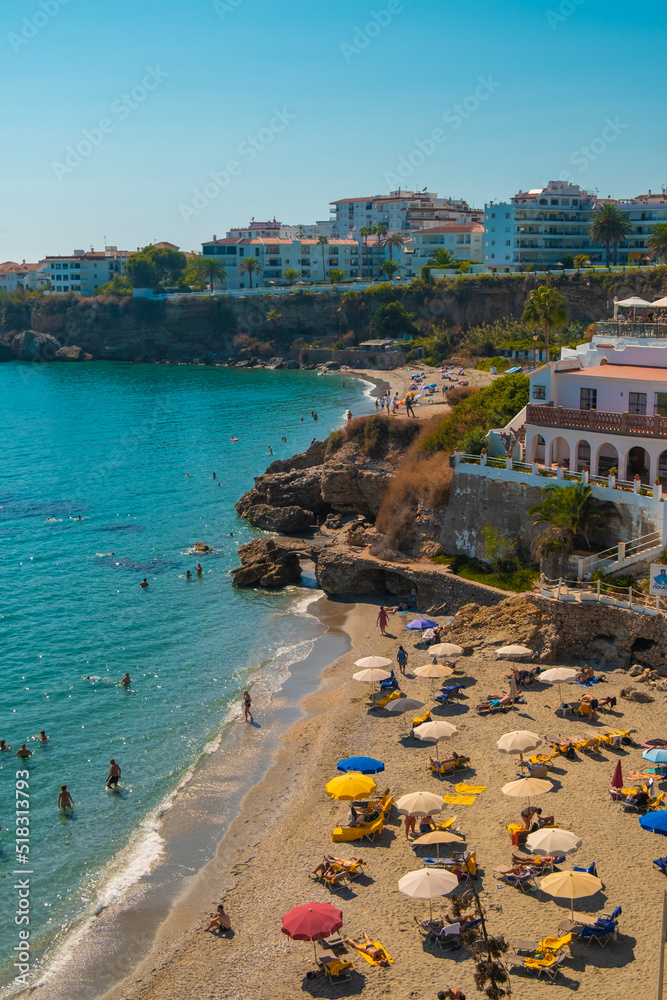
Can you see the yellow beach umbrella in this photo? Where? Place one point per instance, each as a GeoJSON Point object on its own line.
{"type": "Point", "coordinates": [350, 786]}
{"type": "Point", "coordinates": [571, 885]}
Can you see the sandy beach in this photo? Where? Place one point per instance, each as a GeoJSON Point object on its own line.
{"type": "Point", "coordinates": [262, 864]}
{"type": "Point", "coordinates": [399, 380]}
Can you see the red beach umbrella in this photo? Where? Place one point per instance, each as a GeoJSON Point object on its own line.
{"type": "Point", "coordinates": [617, 780]}
{"type": "Point", "coordinates": [312, 922]}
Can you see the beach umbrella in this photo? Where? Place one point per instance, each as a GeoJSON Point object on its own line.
{"type": "Point", "coordinates": [435, 730]}
{"type": "Point", "coordinates": [363, 765]}
{"type": "Point", "coordinates": [373, 661]}
{"type": "Point", "coordinates": [427, 883]}
{"type": "Point", "coordinates": [420, 804]}
{"type": "Point", "coordinates": [445, 649]}
{"type": "Point", "coordinates": [434, 670]}
{"type": "Point", "coordinates": [656, 822]}
{"type": "Point", "coordinates": [660, 303]}
{"type": "Point", "coordinates": [617, 779]}
{"type": "Point", "coordinates": [437, 837]}
{"type": "Point", "coordinates": [419, 624]}
{"type": "Point", "coordinates": [571, 885]}
{"type": "Point", "coordinates": [312, 922]}
{"type": "Point", "coordinates": [526, 788]}
{"type": "Point", "coordinates": [558, 675]}
{"type": "Point", "coordinates": [513, 652]}
{"type": "Point", "coordinates": [403, 705]}
{"type": "Point", "coordinates": [634, 303]}
{"type": "Point", "coordinates": [350, 787]}
{"type": "Point", "coordinates": [656, 756]}
{"type": "Point", "coordinates": [518, 742]}
{"type": "Point", "coordinates": [553, 841]}
{"type": "Point", "coordinates": [371, 674]}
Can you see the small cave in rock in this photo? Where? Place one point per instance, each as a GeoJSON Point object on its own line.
{"type": "Point", "coordinates": [641, 645]}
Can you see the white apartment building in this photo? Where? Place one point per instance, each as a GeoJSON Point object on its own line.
{"type": "Point", "coordinates": [465, 241]}
{"type": "Point", "coordinates": [84, 271]}
{"type": "Point", "coordinates": [23, 277]}
{"type": "Point", "coordinates": [400, 211]}
{"type": "Point", "coordinates": [644, 212]}
{"type": "Point", "coordinates": [604, 406]}
{"type": "Point", "coordinates": [276, 255]}
{"type": "Point", "coordinates": [539, 226]}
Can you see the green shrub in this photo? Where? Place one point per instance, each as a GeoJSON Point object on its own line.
{"type": "Point", "coordinates": [339, 346]}
{"type": "Point", "coordinates": [500, 364]}
{"type": "Point", "coordinates": [474, 442]}
{"type": "Point", "coordinates": [335, 441]}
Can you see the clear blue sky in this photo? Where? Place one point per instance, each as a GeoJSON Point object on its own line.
{"type": "Point", "coordinates": [361, 101]}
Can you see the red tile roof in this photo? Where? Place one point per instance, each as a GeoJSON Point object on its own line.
{"type": "Point", "coordinates": [454, 227]}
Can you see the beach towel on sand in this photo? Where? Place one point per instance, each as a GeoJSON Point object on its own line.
{"type": "Point", "coordinates": [470, 789]}
{"type": "Point", "coordinates": [460, 800]}
{"type": "Point", "coordinates": [372, 961]}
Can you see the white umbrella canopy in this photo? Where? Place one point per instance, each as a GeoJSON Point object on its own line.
{"type": "Point", "coordinates": [558, 675]}
{"type": "Point", "coordinates": [420, 804]}
{"type": "Point", "coordinates": [438, 837]}
{"type": "Point", "coordinates": [445, 649]}
{"type": "Point", "coordinates": [660, 303]}
{"type": "Point", "coordinates": [434, 670]}
{"type": "Point", "coordinates": [373, 661]}
{"type": "Point", "coordinates": [436, 729]}
{"type": "Point", "coordinates": [634, 302]}
{"type": "Point", "coordinates": [526, 788]}
{"type": "Point", "coordinates": [513, 652]}
{"type": "Point", "coordinates": [553, 841]}
{"type": "Point", "coordinates": [371, 674]}
{"type": "Point", "coordinates": [427, 883]}
{"type": "Point", "coordinates": [520, 741]}
{"type": "Point", "coordinates": [571, 885]}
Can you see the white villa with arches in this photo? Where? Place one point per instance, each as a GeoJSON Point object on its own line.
{"type": "Point", "coordinates": [602, 409]}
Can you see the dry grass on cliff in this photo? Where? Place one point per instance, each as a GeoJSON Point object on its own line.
{"type": "Point", "coordinates": [420, 480]}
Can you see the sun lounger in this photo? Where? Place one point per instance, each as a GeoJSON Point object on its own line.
{"type": "Point", "coordinates": [332, 882]}
{"type": "Point", "coordinates": [371, 961]}
{"type": "Point", "coordinates": [591, 870]}
{"type": "Point", "coordinates": [537, 862]}
{"type": "Point", "coordinates": [448, 938]}
{"type": "Point", "coordinates": [390, 682]}
{"type": "Point", "coordinates": [335, 968]}
{"type": "Point", "coordinates": [661, 865]}
{"type": "Point", "coordinates": [351, 869]}
{"type": "Point", "coordinates": [600, 932]}
{"type": "Point", "coordinates": [554, 945]}
{"type": "Point", "coordinates": [524, 883]}
{"type": "Point", "coordinates": [417, 721]}
{"type": "Point", "coordinates": [367, 830]}
{"type": "Point", "coordinates": [385, 699]}
{"type": "Point", "coordinates": [549, 965]}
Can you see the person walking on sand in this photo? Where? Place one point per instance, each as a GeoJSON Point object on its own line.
{"type": "Point", "coordinates": [247, 702]}
{"type": "Point", "coordinates": [402, 659]}
{"type": "Point", "coordinates": [410, 824]}
{"type": "Point", "coordinates": [382, 620]}
{"type": "Point", "coordinates": [65, 800]}
{"type": "Point", "coordinates": [114, 774]}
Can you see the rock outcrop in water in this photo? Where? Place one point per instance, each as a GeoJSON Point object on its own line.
{"type": "Point", "coordinates": [267, 564]}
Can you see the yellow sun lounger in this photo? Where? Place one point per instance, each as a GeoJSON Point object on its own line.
{"type": "Point", "coordinates": [371, 961]}
{"type": "Point", "coordinates": [334, 967]}
{"type": "Point", "coordinates": [383, 702]}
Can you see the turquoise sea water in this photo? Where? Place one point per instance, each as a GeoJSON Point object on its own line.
{"type": "Point", "coordinates": [112, 443]}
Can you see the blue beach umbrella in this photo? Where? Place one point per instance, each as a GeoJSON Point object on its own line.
{"type": "Point", "coordinates": [367, 765]}
{"type": "Point", "coordinates": [656, 822]}
{"type": "Point", "coordinates": [421, 623]}
{"type": "Point", "coordinates": [657, 756]}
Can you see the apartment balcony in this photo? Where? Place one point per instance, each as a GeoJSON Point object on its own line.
{"type": "Point", "coordinates": [624, 328]}
{"type": "Point", "coordinates": [629, 424]}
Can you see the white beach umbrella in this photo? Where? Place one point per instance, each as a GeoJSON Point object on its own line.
{"type": "Point", "coordinates": [571, 885]}
{"type": "Point", "coordinates": [660, 303]}
{"type": "Point", "coordinates": [436, 729]}
{"type": "Point", "coordinates": [444, 649]}
{"type": "Point", "coordinates": [527, 788]}
{"type": "Point", "coordinates": [513, 652]}
{"type": "Point", "coordinates": [373, 661]}
{"type": "Point", "coordinates": [553, 841]}
{"type": "Point", "coordinates": [518, 742]}
{"type": "Point", "coordinates": [427, 883]}
{"type": "Point", "coordinates": [420, 804]}
{"type": "Point", "coordinates": [434, 670]}
{"type": "Point", "coordinates": [634, 302]}
{"type": "Point", "coordinates": [558, 675]}
{"type": "Point", "coordinates": [371, 674]}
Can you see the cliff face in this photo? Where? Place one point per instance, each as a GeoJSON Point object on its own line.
{"type": "Point", "coordinates": [187, 328]}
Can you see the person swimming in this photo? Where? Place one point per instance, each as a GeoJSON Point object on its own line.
{"type": "Point", "coordinates": [65, 800]}
{"type": "Point", "coordinates": [126, 681]}
{"type": "Point", "coordinates": [23, 751]}
{"type": "Point", "coordinates": [4, 745]}
{"type": "Point", "coordinates": [43, 737]}
{"type": "Point", "coordinates": [144, 584]}
{"type": "Point", "coordinates": [199, 569]}
{"type": "Point", "coordinates": [188, 575]}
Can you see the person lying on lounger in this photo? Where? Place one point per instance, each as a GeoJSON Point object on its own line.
{"type": "Point", "coordinates": [500, 702]}
{"type": "Point", "coordinates": [378, 955]}
{"type": "Point", "coordinates": [454, 759]}
{"type": "Point", "coordinates": [331, 865]}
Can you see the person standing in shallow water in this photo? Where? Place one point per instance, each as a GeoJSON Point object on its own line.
{"type": "Point", "coordinates": [125, 683]}
{"type": "Point", "coordinates": [144, 584]}
{"type": "Point", "coordinates": [247, 702]}
{"type": "Point", "coordinates": [382, 620]}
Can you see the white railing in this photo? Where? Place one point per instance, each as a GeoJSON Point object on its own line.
{"type": "Point", "coordinates": [582, 592]}
{"type": "Point", "coordinates": [620, 555]}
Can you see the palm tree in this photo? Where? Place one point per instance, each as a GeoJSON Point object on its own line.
{"type": "Point", "coordinates": [336, 275]}
{"type": "Point", "coordinates": [272, 317]}
{"type": "Point", "coordinates": [365, 232]}
{"type": "Point", "coordinates": [609, 226]}
{"type": "Point", "coordinates": [213, 270]}
{"type": "Point", "coordinates": [390, 267]}
{"type": "Point", "coordinates": [322, 241]}
{"type": "Point", "coordinates": [443, 258]}
{"type": "Point", "coordinates": [380, 231]}
{"type": "Point", "coordinates": [568, 514]}
{"type": "Point", "coordinates": [656, 244]}
{"type": "Point", "coordinates": [290, 275]}
{"type": "Point", "coordinates": [548, 307]}
{"type": "Point", "coordinates": [250, 266]}
{"type": "Point", "coordinates": [393, 241]}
